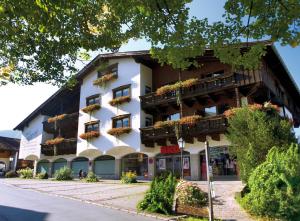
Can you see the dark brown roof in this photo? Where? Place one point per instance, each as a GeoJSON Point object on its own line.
{"type": "Point", "coordinates": [7, 143]}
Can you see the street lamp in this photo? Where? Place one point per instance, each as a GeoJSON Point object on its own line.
{"type": "Point", "coordinates": [181, 144]}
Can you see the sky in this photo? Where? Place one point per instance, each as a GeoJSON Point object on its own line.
{"type": "Point", "coordinates": [17, 102]}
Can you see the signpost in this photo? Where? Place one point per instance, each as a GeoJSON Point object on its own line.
{"type": "Point", "coordinates": [209, 175]}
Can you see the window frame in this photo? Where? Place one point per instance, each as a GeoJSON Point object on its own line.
{"type": "Point", "coordinates": [121, 88]}
{"type": "Point", "coordinates": [109, 69]}
{"type": "Point", "coordinates": [121, 117]}
{"type": "Point", "coordinates": [92, 123]}
{"type": "Point", "coordinates": [93, 97]}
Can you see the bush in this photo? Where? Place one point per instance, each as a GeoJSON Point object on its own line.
{"type": "Point", "coordinates": [11, 174]}
{"type": "Point", "coordinates": [63, 173]}
{"type": "Point", "coordinates": [160, 197]}
{"type": "Point", "coordinates": [274, 186]}
{"type": "Point", "coordinates": [253, 131]}
{"type": "Point", "coordinates": [26, 173]}
{"type": "Point", "coordinates": [42, 176]}
{"type": "Point", "coordinates": [91, 178]}
{"type": "Point", "coordinates": [128, 177]}
{"type": "Point", "coordinates": [189, 194]}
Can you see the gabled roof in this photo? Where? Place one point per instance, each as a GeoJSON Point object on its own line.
{"type": "Point", "coordinates": [11, 144]}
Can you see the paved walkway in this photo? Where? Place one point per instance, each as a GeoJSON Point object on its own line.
{"type": "Point", "coordinates": [113, 194]}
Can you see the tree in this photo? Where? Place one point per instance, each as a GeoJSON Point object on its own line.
{"type": "Point", "coordinates": [253, 130]}
{"type": "Point", "coordinates": [41, 40]}
{"type": "Point", "coordinates": [274, 186]}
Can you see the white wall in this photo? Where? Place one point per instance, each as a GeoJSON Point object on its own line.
{"type": "Point", "coordinates": [32, 137]}
{"type": "Point", "coordinates": [128, 73]}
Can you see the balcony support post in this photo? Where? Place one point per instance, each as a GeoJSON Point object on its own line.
{"type": "Point", "coordinates": [238, 98]}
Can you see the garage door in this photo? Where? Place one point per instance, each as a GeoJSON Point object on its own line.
{"type": "Point", "coordinates": [105, 168]}
{"type": "Point", "coordinates": [43, 167]}
{"type": "Point", "coordinates": [60, 163]}
{"type": "Point", "coordinates": [80, 164]}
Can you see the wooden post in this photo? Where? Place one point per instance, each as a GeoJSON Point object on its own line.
{"type": "Point", "coordinates": [237, 95]}
{"type": "Point", "coordinates": [210, 203]}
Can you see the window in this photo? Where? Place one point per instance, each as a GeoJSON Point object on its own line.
{"type": "Point", "coordinates": [92, 126]}
{"type": "Point", "coordinates": [113, 69]}
{"type": "Point", "coordinates": [148, 90]}
{"type": "Point", "coordinates": [121, 91]}
{"type": "Point", "coordinates": [121, 121]}
{"type": "Point", "coordinates": [211, 111]}
{"type": "Point", "coordinates": [94, 99]}
{"type": "Point", "coordinates": [175, 116]}
{"type": "Point", "coordinates": [148, 122]}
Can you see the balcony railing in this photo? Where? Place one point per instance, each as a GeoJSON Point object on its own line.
{"type": "Point", "coordinates": [69, 122]}
{"type": "Point", "coordinates": [67, 146]}
{"type": "Point", "coordinates": [206, 126]}
{"type": "Point", "coordinates": [204, 86]}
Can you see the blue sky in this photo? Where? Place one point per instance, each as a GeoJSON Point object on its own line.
{"type": "Point", "coordinates": [17, 102]}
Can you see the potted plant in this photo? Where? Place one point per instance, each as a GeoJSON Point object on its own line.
{"type": "Point", "coordinates": [89, 135]}
{"type": "Point", "coordinates": [119, 100]}
{"type": "Point", "coordinates": [91, 108]}
{"type": "Point", "coordinates": [119, 131]}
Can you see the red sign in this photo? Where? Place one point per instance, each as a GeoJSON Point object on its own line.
{"type": "Point", "coordinates": [169, 149]}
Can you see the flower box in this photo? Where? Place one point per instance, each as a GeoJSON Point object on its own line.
{"type": "Point", "coordinates": [104, 79]}
{"type": "Point", "coordinates": [56, 118]}
{"type": "Point", "coordinates": [91, 108]}
{"type": "Point", "coordinates": [89, 135]}
{"type": "Point", "coordinates": [174, 87]}
{"type": "Point", "coordinates": [119, 100]}
{"type": "Point", "coordinates": [55, 141]}
{"type": "Point", "coordinates": [190, 120]}
{"type": "Point", "coordinates": [163, 124]}
{"type": "Point", "coordinates": [119, 131]}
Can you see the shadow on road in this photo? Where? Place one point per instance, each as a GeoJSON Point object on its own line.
{"type": "Point", "coordinates": [16, 214]}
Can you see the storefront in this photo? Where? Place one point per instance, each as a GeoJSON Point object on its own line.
{"type": "Point", "coordinates": [223, 165]}
{"type": "Point", "coordinates": [171, 162]}
{"type": "Point", "coordinates": [136, 162]}
{"type": "Point", "coordinates": [104, 167]}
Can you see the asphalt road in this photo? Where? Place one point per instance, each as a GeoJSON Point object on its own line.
{"type": "Point", "coordinates": [24, 205]}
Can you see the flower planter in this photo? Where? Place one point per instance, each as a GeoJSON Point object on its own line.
{"type": "Point", "coordinates": [189, 120]}
{"type": "Point", "coordinates": [119, 100]}
{"type": "Point", "coordinates": [119, 131]}
{"type": "Point", "coordinates": [164, 124]}
{"type": "Point", "coordinates": [104, 79]}
{"type": "Point", "coordinates": [56, 118]}
{"type": "Point", "coordinates": [55, 141]}
{"type": "Point", "coordinates": [174, 87]}
{"type": "Point", "coordinates": [89, 135]}
{"type": "Point", "coordinates": [91, 108]}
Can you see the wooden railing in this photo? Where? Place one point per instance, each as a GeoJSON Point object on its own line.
{"type": "Point", "coordinates": [204, 86]}
{"type": "Point", "coordinates": [67, 146]}
{"type": "Point", "coordinates": [209, 125]}
{"type": "Point", "coordinates": [68, 120]}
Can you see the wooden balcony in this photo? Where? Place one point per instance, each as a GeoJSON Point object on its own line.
{"type": "Point", "coordinates": [69, 122]}
{"type": "Point", "coordinates": [212, 126]}
{"type": "Point", "coordinates": [68, 146]}
{"type": "Point", "coordinates": [204, 87]}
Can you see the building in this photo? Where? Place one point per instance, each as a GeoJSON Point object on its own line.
{"type": "Point", "coordinates": [105, 124]}
{"type": "Point", "coordinates": [9, 148]}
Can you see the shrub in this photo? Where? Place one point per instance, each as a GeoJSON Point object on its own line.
{"type": "Point", "coordinates": [253, 130]}
{"type": "Point", "coordinates": [159, 198]}
{"type": "Point", "coordinates": [91, 178]}
{"type": "Point", "coordinates": [89, 135]}
{"type": "Point", "coordinates": [119, 131]}
{"type": "Point", "coordinates": [42, 176]}
{"type": "Point", "coordinates": [128, 177]}
{"type": "Point", "coordinates": [274, 186]}
{"type": "Point", "coordinates": [189, 194]}
{"type": "Point", "coordinates": [91, 108]}
{"type": "Point", "coordinates": [26, 173]}
{"type": "Point", "coordinates": [119, 100]}
{"type": "Point", "coordinates": [11, 174]}
{"type": "Point", "coordinates": [63, 173]}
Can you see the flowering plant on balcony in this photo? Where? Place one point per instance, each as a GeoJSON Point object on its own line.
{"type": "Point", "coordinates": [163, 124]}
{"type": "Point", "coordinates": [119, 100]}
{"type": "Point", "coordinates": [190, 120]}
{"type": "Point", "coordinates": [56, 118]}
{"type": "Point", "coordinates": [174, 87]}
{"type": "Point", "coordinates": [89, 135]}
{"type": "Point", "coordinates": [119, 131]}
{"type": "Point", "coordinates": [91, 108]}
{"type": "Point", "coordinates": [55, 141]}
{"type": "Point", "coordinates": [104, 79]}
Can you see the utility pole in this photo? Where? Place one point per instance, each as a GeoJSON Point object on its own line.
{"type": "Point", "coordinates": [210, 203]}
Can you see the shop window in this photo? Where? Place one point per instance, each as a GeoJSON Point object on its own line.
{"type": "Point", "coordinates": [136, 162]}
{"type": "Point", "coordinates": [211, 111]}
{"type": "Point", "coordinates": [92, 126]}
{"type": "Point", "coordinates": [113, 69]}
{"type": "Point", "coordinates": [94, 99]}
{"type": "Point", "coordinates": [121, 91]}
{"type": "Point", "coordinates": [121, 121]}
{"type": "Point", "coordinates": [148, 122]}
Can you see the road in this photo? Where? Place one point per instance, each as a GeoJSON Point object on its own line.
{"type": "Point", "coordinates": [25, 205]}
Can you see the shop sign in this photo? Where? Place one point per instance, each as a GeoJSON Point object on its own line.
{"type": "Point", "coordinates": [169, 149]}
